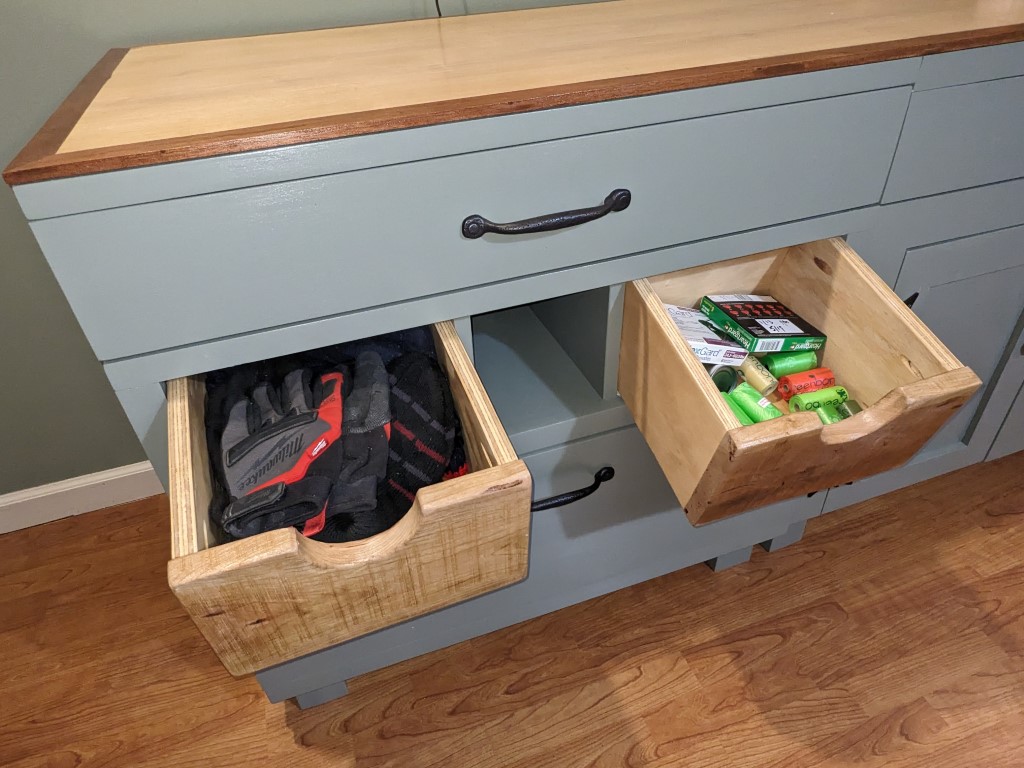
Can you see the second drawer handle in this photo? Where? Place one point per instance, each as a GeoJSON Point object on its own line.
{"type": "Point", "coordinates": [602, 475]}
{"type": "Point", "coordinates": [477, 226]}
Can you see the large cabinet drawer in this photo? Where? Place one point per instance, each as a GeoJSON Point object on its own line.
{"type": "Point", "coordinates": [907, 381]}
{"type": "Point", "coordinates": [959, 137]}
{"type": "Point", "coordinates": [177, 272]}
{"type": "Point", "coordinates": [1011, 435]}
{"type": "Point", "coordinates": [278, 595]}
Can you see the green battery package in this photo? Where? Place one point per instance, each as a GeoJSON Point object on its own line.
{"type": "Point", "coordinates": [761, 323]}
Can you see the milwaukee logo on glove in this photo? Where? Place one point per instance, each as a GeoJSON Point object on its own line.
{"type": "Point", "coordinates": [281, 453]}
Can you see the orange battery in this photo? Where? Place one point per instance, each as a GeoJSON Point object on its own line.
{"type": "Point", "coordinates": [806, 381]}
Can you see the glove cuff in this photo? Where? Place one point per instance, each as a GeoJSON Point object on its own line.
{"type": "Point", "coordinates": [277, 506]}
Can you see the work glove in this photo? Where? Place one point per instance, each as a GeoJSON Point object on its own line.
{"type": "Point", "coordinates": [352, 509]}
{"type": "Point", "coordinates": [424, 424]}
{"type": "Point", "coordinates": [281, 453]}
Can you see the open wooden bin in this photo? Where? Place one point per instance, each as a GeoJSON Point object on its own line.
{"type": "Point", "coordinates": [273, 597]}
{"type": "Point", "coordinates": [907, 381]}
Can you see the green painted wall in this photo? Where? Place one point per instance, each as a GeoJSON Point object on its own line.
{"type": "Point", "coordinates": [60, 417]}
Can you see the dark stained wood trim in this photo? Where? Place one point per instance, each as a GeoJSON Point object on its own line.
{"type": "Point", "coordinates": [42, 147]}
{"type": "Point", "coordinates": [39, 161]}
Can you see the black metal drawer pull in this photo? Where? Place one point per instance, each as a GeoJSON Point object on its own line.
{"type": "Point", "coordinates": [477, 226]}
{"type": "Point", "coordinates": [602, 475]}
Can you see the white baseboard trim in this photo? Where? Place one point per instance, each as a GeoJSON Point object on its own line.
{"type": "Point", "coordinates": [45, 503]}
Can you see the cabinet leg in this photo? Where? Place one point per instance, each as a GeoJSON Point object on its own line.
{"type": "Point", "coordinates": [791, 535]}
{"type": "Point", "coordinates": [322, 695]}
{"type": "Point", "coordinates": [729, 559]}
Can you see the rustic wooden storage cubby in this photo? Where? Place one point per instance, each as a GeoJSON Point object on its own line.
{"type": "Point", "coordinates": [906, 379]}
{"type": "Point", "coordinates": [271, 597]}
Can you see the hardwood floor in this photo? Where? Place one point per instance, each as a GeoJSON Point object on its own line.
{"type": "Point", "coordinates": [892, 635]}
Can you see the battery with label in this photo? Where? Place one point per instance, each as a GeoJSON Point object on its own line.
{"type": "Point", "coordinates": [784, 363]}
{"type": "Point", "coordinates": [828, 414]}
{"type": "Point", "coordinates": [757, 376]}
{"type": "Point", "coordinates": [807, 381]}
{"type": "Point", "coordinates": [811, 400]}
{"type": "Point", "coordinates": [758, 407]}
{"type": "Point", "coordinates": [740, 414]}
{"type": "Point", "coordinates": [761, 323]}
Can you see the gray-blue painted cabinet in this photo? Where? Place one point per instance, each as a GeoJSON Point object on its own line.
{"type": "Point", "coordinates": [365, 232]}
{"type": "Point", "coordinates": [1011, 435]}
{"type": "Point", "coordinates": [957, 256]}
{"type": "Point", "coordinates": [970, 291]}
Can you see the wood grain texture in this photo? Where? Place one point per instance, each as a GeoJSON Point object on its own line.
{"type": "Point", "coordinates": [906, 379]}
{"type": "Point", "coordinates": [891, 636]}
{"type": "Point", "coordinates": [276, 596]}
{"type": "Point", "coordinates": [675, 404]}
{"type": "Point", "coordinates": [487, 443]}
{"type": "Point", "coordinates": [55, 130]}
{"type": "Point", "coordinates": [190, 492]}
{"type": "Point", "coordinates": [188, 100]}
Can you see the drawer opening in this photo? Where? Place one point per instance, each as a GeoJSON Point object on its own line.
{"type": "Point", "coordinates": [538, 379]}
{"type": "Point", "coordinates": [903, 376]}
{"type": "Point", "coordinates": [277, 595]}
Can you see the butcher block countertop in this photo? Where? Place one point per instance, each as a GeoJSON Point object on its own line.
{"type": "Point", "coordinates": [164, 103]}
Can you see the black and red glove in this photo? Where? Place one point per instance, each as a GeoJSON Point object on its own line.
{"type": "Point", "coordinates": [281, 453]}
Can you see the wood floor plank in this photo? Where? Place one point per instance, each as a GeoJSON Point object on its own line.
{"type": "Point", "coordinates": [892, 635]}
{"type": "Point", "coordinates": [748, 741]}
{"type": "Point", "coordinates": [1000, 599]}
{"type": "Point", "coordinates": [886, 739]}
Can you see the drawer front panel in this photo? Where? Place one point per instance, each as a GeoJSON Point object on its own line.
{"type": "Point", "coordinates": [960, 137]}
{"type": "Point", "coordinates": [276, 596]}
{"type": "Point", "coordinates": [167, 274]}
{"type": "Point", "coordinates": [983, 276]}
{"type": "Point", "coordinates": [1011, 436]}
{"type": "Point", "coordinates": [971, 66]}
{"type": "Point", "coordinates": [908, 383]}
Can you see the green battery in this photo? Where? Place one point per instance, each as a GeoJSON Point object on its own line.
{"type": "Point", "coordinates": [743, 418]}
{"type": "Point", "coordinates": [808, 401]}
{"type": "Point", "coordinates": [828, 414]}
{"type": "Point", "coordinates": [758, 407]}
{"type": "Point", "coordinates": [849, 408]}
{"type": "Point", "coordinates": [785, 363]}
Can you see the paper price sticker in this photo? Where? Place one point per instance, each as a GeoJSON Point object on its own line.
{"type": "Point", "coordinates": [779, 326]}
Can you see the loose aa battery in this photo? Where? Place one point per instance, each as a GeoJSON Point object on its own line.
{"type": "Point", "coordinates": [806, 381]}
{"type": "Point", "coordinates": [785, 363]}
{"type": "Point", "coordinates": [757, 376]}
{"type": "Point", "coordinates": [811, 400]}
{"type": "Point", "coordinates": [829, 414]}
{"type": "Point", "coordinates": [758, 407]}
{"type": "Point", "coordinates": [849, 408]}
{"type": "Point", "coordinates": [724, 376]}
{"type": "Point", "coordinates": [740, 414]}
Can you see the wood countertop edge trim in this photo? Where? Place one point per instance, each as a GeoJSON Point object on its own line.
{"type": "Point", "coordinates": [40, 161]}
{"type": "Point", "coordinates": [42, 148]}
